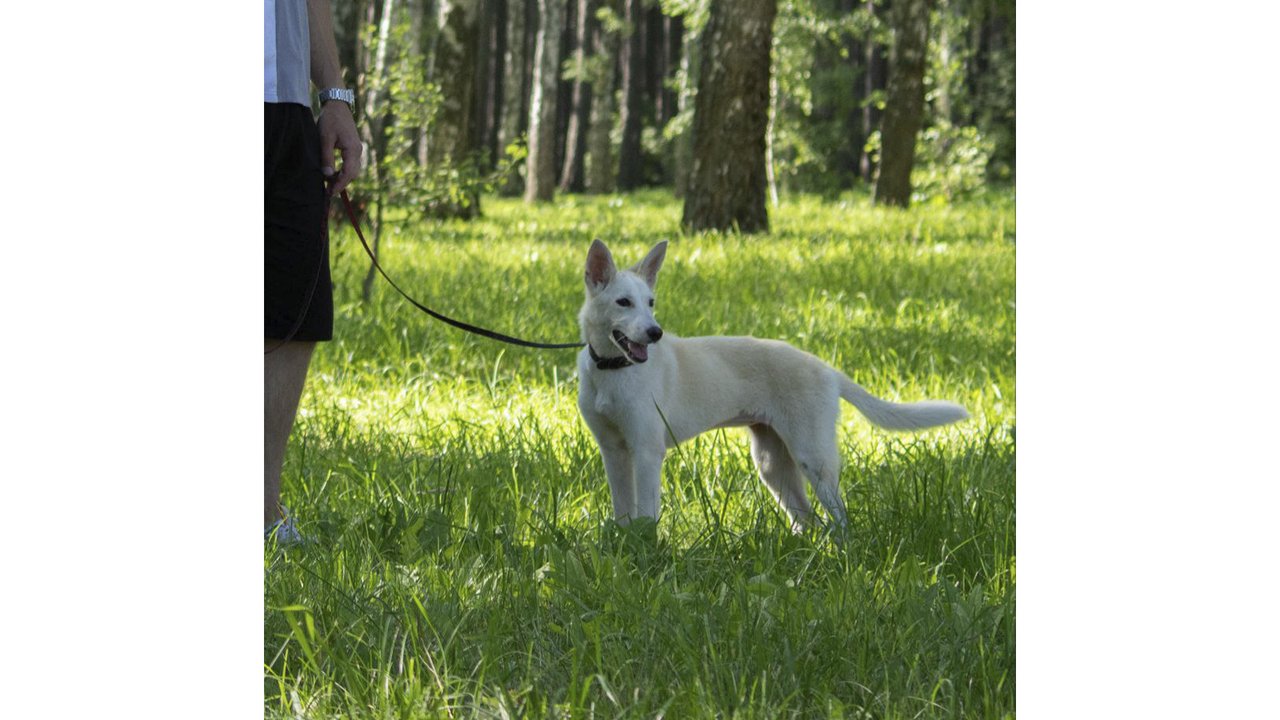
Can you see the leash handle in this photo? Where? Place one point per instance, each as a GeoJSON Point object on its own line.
{"type": "Point", "coordinates": [468, 327]}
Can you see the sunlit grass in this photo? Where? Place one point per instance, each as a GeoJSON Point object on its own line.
{"type": "Point", "coordinates": [463, 564]}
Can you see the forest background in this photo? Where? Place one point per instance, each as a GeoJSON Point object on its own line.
{"type": "Point", "coordinates": [1145, 199]}
{"type": "Point", "coordinates": [912, 100]}
{"type": "Point", "coordinates": [461, 560]}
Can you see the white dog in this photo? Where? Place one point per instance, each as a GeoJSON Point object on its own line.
{"type": "Point", "coordinates": [643, 390]}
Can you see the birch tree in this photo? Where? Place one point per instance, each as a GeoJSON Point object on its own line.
{"type": "Point", "coordinates": [540, 181]}
{"type": "Point", "coordinates": [603, 65]}
{"type": "Point", "coordinates": [571, 176]}
{"type": "Point", "coordinates": [515, 88]}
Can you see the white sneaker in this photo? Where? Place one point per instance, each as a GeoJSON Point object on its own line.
{"type": "Point", "coordinates": [283, 531]}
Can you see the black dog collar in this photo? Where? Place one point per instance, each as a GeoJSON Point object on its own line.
{"type": "Point", "coordinates": [614, 363]}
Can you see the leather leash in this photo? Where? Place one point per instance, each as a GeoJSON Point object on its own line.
{"type": "Point", "coordinates": [468, 327]}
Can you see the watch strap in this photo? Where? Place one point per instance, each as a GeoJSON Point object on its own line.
{"type": "Point", "coordinates": [346, 95]}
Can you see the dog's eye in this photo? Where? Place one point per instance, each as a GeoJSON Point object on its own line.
{"type": "Point", "coordinates": [624, 302]}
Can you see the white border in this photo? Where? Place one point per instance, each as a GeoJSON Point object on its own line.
{"type": "Point", "coordinates": [132, 297]}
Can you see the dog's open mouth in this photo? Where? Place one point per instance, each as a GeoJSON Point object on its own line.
{"type": "Point", "coordinates": [634, 351]}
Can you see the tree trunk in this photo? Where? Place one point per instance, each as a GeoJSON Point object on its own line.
{"type": "Point", "coordinates": [731, 112]}
{"type": "Point", "coordinates": [873, 80]}
{"type": "Point", "coordinates": [978, 66]}
{"type": "Point", "coordinates": [852, 59]}
{"type": "Point", "coordinates": [666, 98]}
{"type": "Point", "coordinates": [672, 42]}
{"type": "Point", "coordinates": [423, 31]}
{"type": "Point", "coordinates": [655, 61]}
{"type": "Point", "coordinates": [575, 145]}
{"type": "Point", "coordinates": [353, 50]}
{"type": "Point", "coordinates": [348, 19]}
{"type": "Point", "coordinates": [564, 86]}
{"type": "Point", "coordinates": [943, 85]}
{"type": "Point", "coordinates": [373, 134]}
{"type": "Point", "coordinates": [515, 82]}
{"type": "Point", "coordinates": [600, 171]}
{"type": "Point", "coordinates": [453, 139]}
{"type": "Point", "coordinates": [489, 98]}
{"type": "Point", "coordinates": [630, 160]}
{"type": "Point", "coordinates": [768, 140]}
{"type": "Point", "coordinates": [682, 146]}
{"type": "Point", "coordinates": [904, 104]}
{"type": "Point", "coordinates": [541, 180]}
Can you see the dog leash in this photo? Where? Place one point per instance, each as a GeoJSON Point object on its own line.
{"type": "Point", "coordinates": [468, 327]}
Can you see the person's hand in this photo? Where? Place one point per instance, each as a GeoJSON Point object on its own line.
{"type": "Point", "coordinates": [338, 130]}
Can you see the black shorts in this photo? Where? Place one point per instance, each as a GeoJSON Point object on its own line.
{"type": "Point", "coordinates": [299, 294]}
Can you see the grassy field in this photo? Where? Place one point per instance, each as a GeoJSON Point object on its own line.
{"type": "Point", "coordinates": [462, 560]}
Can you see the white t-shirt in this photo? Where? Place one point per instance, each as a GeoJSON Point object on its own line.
{"type": "Point", "coordinates": [288, 52]}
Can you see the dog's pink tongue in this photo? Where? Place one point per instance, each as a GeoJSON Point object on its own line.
{"type": "Point", "coordinates": [639, 352]}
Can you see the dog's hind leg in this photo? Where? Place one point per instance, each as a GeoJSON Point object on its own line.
{"type": "Point", "coordinates": [811, 439]}
{"type": "Point", "coordinates": [820, 461]}
{"type": "Point", "coordinates": [781, 475]}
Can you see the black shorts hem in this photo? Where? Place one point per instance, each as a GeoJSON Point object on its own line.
{"type": "Point", "coordinates": [297, 282]}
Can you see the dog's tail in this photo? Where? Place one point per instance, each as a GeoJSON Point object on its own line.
{"type": "Point", "coordinates": [900, 416]}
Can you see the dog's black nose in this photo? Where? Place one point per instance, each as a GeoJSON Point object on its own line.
{"type": "Point", "coordinates": [655, 334]}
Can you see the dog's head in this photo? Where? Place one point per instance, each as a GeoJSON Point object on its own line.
{"type": "Point", "coordinates": [618, 312]}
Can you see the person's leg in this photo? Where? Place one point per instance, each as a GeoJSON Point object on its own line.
{"type": "Point", "coordinates": [297, 293]}
{"type": "Point", "coordinates": [286, 373]}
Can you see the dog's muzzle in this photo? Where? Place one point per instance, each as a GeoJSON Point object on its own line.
{"type": "Point", "coordinates": [637, 352]}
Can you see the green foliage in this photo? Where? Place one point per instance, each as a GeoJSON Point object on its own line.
{"type": "Point", "coordinates": [401, 121]}
{"type": "Point", "coordinates": [950, 164]}
{"type": "Point", "coordinates": [997, 113]}
{"type": "Point", "coordinates": [610, 18]}
{"type": "Point", "coordinates": [820, 95]}
{"type": "Point", "coordinates": [959, 92]}
{"type": "Point", "coordinates": [947, 58]}
{"type": "Point", "coordinates": [815, 143]}
{"type": "Point", "coordinates": [398, 104]}
{"type": "Point", "coordinates": [462, 563]}
{"type": "Point", "coordinates": [695, 13]}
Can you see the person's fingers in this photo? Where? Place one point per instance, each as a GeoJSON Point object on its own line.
{"type": "Point", "coordinates": [338, 184]}
{"type": "Point", "coordinates": [351, 150]}
{"type": "Point", "coordinates": [326, 155]}
{"type": "Point", "coordinates": [338, 132]}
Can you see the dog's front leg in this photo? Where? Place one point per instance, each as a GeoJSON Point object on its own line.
{"type": "Point", "coordinates": [617, 467]}
{"type": "Point", "coordinates": [646, 462]}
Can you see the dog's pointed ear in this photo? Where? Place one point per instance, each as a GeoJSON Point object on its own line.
{"type": "Point", "coordinates": [600, 267]}
{"type": "Point", "coordinates": [648, 267]}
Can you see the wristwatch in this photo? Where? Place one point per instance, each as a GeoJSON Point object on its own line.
{"type": "Point", "coordinates": [346, 95]}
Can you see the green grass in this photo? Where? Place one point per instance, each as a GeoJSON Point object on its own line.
{"type": "Point", "coordinates": [463, 562]}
